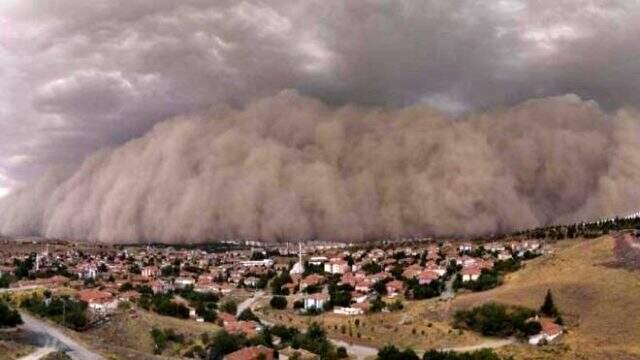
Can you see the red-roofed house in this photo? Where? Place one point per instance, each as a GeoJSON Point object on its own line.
{"type": "Point", "coordinates": [98, 301]}
{"type": "Point", "coordinates": [249, 328]}
{"type": "Point", "coordinates": [471, 273]}
{"type": "Point", "coordinates": [426, 277]}
{"type": "Point", "coordinates": [252, 353]}
{"type": "Point", "coordinates": [550, 331]}
{"type": "Point", "coordinates": [395, 287]}
{"type": "Point", "coordinates": [311, 280]}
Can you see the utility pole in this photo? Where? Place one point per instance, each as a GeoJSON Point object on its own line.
{"type": "Point", "coordinates": [64, 308]}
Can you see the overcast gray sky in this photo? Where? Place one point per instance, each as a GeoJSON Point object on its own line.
{"type": "Point", "coordinates": [77, 76]}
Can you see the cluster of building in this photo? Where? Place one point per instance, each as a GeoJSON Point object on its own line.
{"type": "Point", "coordinates": [423, 263]}
{"type": "Point", "coordinates": [100, 274]}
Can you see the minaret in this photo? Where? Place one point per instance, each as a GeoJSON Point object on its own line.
{"type": "Point", "coordinates": [37, 263]}
{"type": "Point", "coordinates": [300, 253]}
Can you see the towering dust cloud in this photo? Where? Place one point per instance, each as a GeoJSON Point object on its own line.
{"type": "Point", "coordinates": [291, 167]}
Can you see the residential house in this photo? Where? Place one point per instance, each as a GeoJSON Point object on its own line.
{"type": "Point", "coordinates": [395, 287]}
{"type": "Point", "coordinates": [471, 273]}
{"type": "Point", "coordinates": [315, 301]}
{"type": "Point", "coordinates": [259, 352]}
{"type": "Point", "coordinates": [100, 302]}
{"type": "Point", "coordinates": [550, 331]}
{"type": "Point", "coordinates": [311, 280]}
{"type": "Point", "coordinates": [336, 266]}
{"type": "Point", "coordinates": [184, 282]}
{"type": "Point", "coordinates": [150, 271]}
{"type": "Point", "coordinates": [427, 276]}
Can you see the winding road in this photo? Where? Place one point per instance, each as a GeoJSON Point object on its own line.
{"type": "Point", "coordinates": [50, 336]}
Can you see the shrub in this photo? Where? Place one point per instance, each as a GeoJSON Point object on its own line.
{"type": "Point", "coordinates": [248, 315]}
{"type": "Point", "coordinates": [485, 354]}
{"type": "Point", "coordinates": [8, 316]}
{"type": "Point", "coordinates": [390, 352]}
{"type": "Point", "coordinates": [494, 319]}
{"type": "Point", "coordinates": [230, 307]}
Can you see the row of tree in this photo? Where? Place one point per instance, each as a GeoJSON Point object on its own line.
{"type": "Point", "coordinates": [390, 352]}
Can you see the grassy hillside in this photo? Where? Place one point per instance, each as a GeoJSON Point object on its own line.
{"type": "Point", "coordinates": [599, 301]}
{"type": "Point", "coordinates": [129, 336]}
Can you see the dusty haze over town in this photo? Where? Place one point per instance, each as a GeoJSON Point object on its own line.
{"type": "Point", "coordinates": [197, 120]}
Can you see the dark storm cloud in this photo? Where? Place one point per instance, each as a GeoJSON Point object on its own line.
{"type": "Point", "coordinates": [81, 76]}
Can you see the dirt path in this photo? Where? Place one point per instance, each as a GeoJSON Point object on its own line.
{"type": "Point", "coordinates": [248, 303]}
{"type": "Point", "coordinates": [54, 337]}
{"type": "Point", "coordinates": [38, 354]}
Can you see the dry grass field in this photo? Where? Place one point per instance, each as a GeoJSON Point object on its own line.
{"type": "Point", "coordinates": [600, 302]}
{"type": "Point", "coordinates": [127, 336]}
{"type": "Point", "coordinates": [418, 326]}
{"type": "Point", "coordinates": [10, 350]}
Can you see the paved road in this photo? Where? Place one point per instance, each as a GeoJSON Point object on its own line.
{"type": "Point", "coordinates": [53, 337]}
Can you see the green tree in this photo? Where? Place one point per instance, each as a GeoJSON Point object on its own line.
{"type": "Point", "coordinates": [548, 307]}
{"type": "Point", "coordinates": [229, 306]}
{"type": "Point", "coordinates": [248, 315]}
{"type": "Point", "coordinates": [278, 302]}
{"type": "Point", "coordinates": [390, 352]}
{"type": "Point", "coordinates": [8, 316]}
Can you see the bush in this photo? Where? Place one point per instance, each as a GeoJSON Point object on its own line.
{"type": "Point", "coordinates": [494, 319]}
{"type": "Point", "coordinates": [485, 354]}
{"type": "Point", "coordinates": [390, 352]}
{"type": "Point", "coordinates": [8, 316]}
{"type": "Point", "coordinates": [298, 304]}
{"type": "Point", "coordinates": [278, 302]}
{"type": "Point", "coordinates": [125, 287]}
{"type": "Point", "coordinates": [248, 315]}
{"type": "Point", "coordinates": [396, 306]}
{"type": "Point", "coordinates": [164, 306]}
{"type": "Point", "coordinates": [230, 307]}
{"type": "Point", "coordinates": [5, 281]}
{"type": "Point", "coordinates": [487, 280]}
{"type": "Point", "coordinates": [341, 352]}
{"type": "Point", "coordinates": [69, 313]}
{"type": "Point", "coordinates": [224, 343]}
{"type": "Point", "coordinates": [162, 337]}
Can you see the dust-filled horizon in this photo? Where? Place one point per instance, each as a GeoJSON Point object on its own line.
{"type": "Point", "coordinates": [290, 167]}
{"type": "Point", "coordinates": [196, 120]}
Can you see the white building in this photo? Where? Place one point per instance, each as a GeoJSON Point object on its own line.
{"type": "Point", "coordinates": [550, 331]}
{"type": "Point", "coordinates": [347, 311]}
{"type": "Point", "coordinates": [184, 282]}
{"type": "Point", "coordinates": [318, 260]}
{"type": "Point", "coordinates": [315, 301]}
{"type": "Point", "coordinates": [252, 263]}
{"type": "Point", "coordinates": [336, 266]}
{"type": "Point", "coordinates": [471, 273]}
{"type": "Point", "coordinates": [298, 268]}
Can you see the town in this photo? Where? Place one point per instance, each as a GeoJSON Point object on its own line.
{"type": "Point", "coordinates": [247, 288]}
